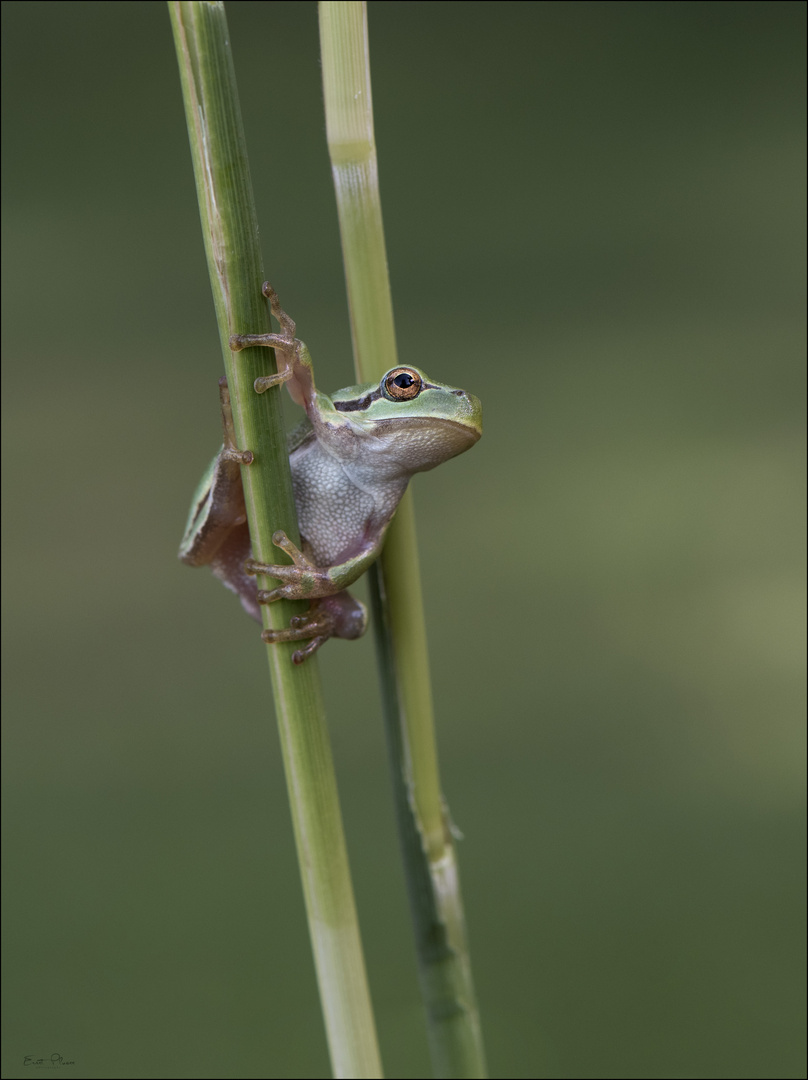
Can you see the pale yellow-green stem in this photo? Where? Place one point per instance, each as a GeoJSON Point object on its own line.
{"type": "Point", "coordinates": [430, 862]}
{"type": "Point", "coordinates": [231, 242]}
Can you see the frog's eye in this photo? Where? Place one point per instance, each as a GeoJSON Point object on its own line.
{"type": "Point", "coordinates": [402, 384]}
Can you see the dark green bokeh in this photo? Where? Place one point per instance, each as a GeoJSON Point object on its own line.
{"type": "Point", "coordinates": [594, 218]}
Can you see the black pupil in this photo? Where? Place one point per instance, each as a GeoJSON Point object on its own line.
{"type": "Point", "coordinates": [403, 380]}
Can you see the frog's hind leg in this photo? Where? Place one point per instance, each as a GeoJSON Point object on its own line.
{"type": "Point", "coordinates": [339, 615]}
{"type": "Point", "coordinates": [228, 566]}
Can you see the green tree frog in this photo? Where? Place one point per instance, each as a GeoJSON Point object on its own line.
{"type": "Point", "coordinates": [351, 460]}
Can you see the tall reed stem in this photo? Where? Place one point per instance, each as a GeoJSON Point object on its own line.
{"type": "Point", "coordinates": [429, 856]}
{"type": "Point", "coordinates": [230, 231]}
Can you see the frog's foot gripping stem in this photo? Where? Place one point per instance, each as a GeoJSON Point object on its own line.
{"type": "Point", "coordinates": [333, 612]}
{"type": "Point", "coordinates": [285, 342]}
{"type": "Point", "coordinates": [327, 617]}
{"type": "Point", "coordinates": [231, 452]}
{"type": "Point", "coordinates": [301, 581]}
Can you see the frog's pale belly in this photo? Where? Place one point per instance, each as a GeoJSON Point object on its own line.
{"type": "Point", "coordinates": [337, 513]}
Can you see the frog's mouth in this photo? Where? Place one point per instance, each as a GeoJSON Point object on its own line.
{"type": "Point", "coordinates": [422, 442]}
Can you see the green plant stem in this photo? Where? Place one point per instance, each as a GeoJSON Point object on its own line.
{"type": "Point", "coordinates": [429, 855]}
{"type": "Point", "coordinates": [231, 242]}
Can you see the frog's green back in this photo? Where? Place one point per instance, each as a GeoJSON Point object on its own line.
{"type": "Point", "coordinates": [198, 503]}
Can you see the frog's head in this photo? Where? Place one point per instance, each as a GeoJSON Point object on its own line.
{"type": "Point", "coordinates": [410, 420]}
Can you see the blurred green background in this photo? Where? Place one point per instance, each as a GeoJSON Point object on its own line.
{"type": "Point", "coordinates": [594, 217]}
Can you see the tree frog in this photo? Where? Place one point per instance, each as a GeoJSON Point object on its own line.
{"type": "Point", "coordinates": [351, 460]}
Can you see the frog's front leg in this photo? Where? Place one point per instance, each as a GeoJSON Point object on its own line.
{"type": "Point", "coordinates": [230, 452]}
{"type": "Point", "coordinates": [296, 368]}
{"type": "Point", "coordinates": [329, 616]}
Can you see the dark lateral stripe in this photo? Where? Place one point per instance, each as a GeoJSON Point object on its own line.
{"type": "Point", "coordinates": [357, 404]}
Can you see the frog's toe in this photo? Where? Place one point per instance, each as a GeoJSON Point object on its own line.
{"type": "Point", "coordinates": [317, 624]}
{"type": "Point", "coordinates": [299, 655]}
{"type": "Point", "coordinates": [268, 596]}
